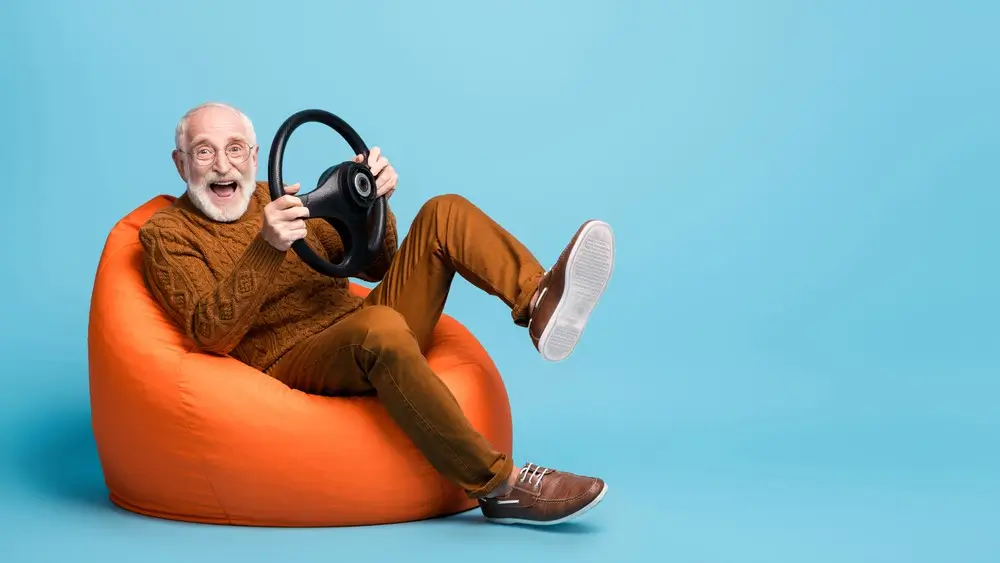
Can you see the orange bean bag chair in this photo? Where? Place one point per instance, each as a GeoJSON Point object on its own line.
{"type": "Point", "coordinates": [190, 436]}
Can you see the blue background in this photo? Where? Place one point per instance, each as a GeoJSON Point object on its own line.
{"type": "Point", "coordinates": [797, 358]}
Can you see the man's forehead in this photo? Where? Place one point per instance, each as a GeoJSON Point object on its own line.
{"type": "Point", "coordinates": [216, 123]}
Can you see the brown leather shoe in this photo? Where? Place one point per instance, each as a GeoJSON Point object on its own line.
{"type": "Point", "coordinates": [544, 497]}
{"type": "Point", "coordinates": [570, 290]}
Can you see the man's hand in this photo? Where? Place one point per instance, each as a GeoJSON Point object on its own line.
{"type": "Point", "coordinates": [385, 175]}
{"type": "Point", "coordinates": [284, 220]}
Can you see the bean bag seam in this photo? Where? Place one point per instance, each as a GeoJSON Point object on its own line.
{"type": "Point", "coordinates": [201, 457]}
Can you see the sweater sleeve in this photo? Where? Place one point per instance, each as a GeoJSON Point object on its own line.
{"type": "Point", "coordinates": [334, 246]}
{"type": "Point", "coordinates": [214, 312]}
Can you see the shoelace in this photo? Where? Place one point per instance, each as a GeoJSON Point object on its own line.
{"type": "Point", "coordinates": [539, 471]}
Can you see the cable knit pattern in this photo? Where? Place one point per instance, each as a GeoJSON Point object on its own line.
{"type": "Point", "coordinates": [233, 293]}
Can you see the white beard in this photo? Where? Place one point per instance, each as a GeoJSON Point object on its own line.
{"type": "Point", "coordinates": [200, 195]}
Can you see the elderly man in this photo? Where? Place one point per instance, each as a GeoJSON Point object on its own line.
{"type": "Point", "coordinates": [218, 263]}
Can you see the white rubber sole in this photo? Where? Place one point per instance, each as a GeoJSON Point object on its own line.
{"type": "Point", "coordinates": [588, 271]}
{"type": "Point", "coordinates": [562, 520]}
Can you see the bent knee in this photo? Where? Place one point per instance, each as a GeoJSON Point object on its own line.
{"type": "Point", "coordinates": [442, 204]}
{"type": "Point", "coordinates": [387, 331]}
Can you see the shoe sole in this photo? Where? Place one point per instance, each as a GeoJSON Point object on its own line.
{"type": "Point", "coordinates": [564, 519]}
{"type": "Point", "coordinates": [588, 271]}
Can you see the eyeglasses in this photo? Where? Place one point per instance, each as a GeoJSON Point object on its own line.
{"type": "Point", "coordinates": [238, 152]}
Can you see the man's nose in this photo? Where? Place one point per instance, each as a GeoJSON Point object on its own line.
{"type": "Point", "coordinates": [222, 164]}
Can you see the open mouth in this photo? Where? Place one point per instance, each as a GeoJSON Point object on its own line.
{"type": "Point", "coordinates": [223, 190]}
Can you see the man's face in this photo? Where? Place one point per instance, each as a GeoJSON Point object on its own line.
{"type": "Point", "coordinates": [221, 187]}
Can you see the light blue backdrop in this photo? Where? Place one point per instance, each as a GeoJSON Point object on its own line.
{"type": "Point", "coordinates": [797, 359]}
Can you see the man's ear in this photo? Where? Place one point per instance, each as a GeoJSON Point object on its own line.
{"type": "Point", "coordinates": [179, 163]}
{"type": "Point", "coordinates": [256, 151]}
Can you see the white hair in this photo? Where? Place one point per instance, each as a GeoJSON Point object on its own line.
{"type": "Point", "coordinates": [181, 131]}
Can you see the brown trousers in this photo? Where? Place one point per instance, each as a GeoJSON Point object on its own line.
{"type": "Point", "coordinates": [379, 348]}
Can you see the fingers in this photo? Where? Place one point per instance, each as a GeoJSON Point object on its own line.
{"type": "Point", "coordinates": [385, 184]}
{"type": "Point", "coordinates": [281, 235]}
{"type": "Point", "coordinates": [287, 201]}
{"type": "Point", "coordinates": [285, 209]}
{"type": "Point", "coordinates": [284, 238]}
{"type": "Point", "coordinates": [376, 162]}
{"type": "Point", "coordinates": [297, 212]}
{"type": "Point", "coordinates": [287, 232]}
{"type": "Point", "coordinates": [385, 175]}
{"type": "Point", "coordinates": [284, 219]}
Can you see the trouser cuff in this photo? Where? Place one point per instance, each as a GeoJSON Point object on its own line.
{"type": "Point", "coordinates": [520, 312]}
{"type": "Point", "coordinates": [506, 467]}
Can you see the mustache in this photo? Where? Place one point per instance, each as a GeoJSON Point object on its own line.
{"type": "Point", "coordinates": [212, 177]}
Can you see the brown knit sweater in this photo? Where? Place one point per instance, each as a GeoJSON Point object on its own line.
{"type": "Point", "coordinates": [235, 294]}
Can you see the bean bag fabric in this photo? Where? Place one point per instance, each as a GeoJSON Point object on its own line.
{"type": "Point", "coordinates": [190, 436]}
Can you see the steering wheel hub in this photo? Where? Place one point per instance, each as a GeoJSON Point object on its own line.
{"type": "Point", "coordinates": [362, 185]}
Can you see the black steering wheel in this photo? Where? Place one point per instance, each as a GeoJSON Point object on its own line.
{"type": "Point", "coordinates": [344, 196]}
